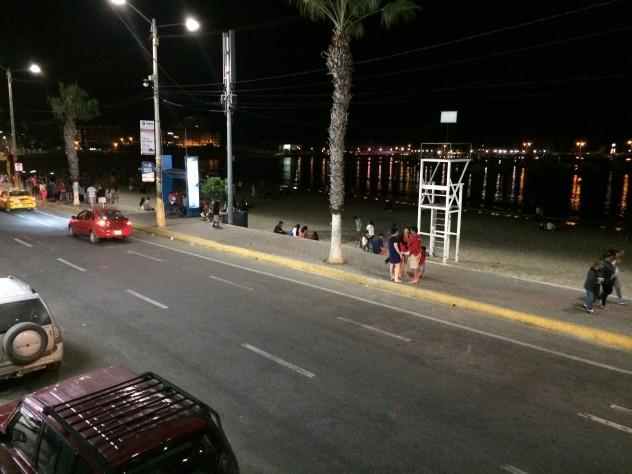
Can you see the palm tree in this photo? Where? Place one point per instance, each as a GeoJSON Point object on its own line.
{"type": "Point", "coordinates": [347, 18]}
{"type": "Point", "coordinates": [73, 105]}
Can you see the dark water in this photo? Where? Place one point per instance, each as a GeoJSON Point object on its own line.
{"type": "Point", "coordinates": [597, 189]}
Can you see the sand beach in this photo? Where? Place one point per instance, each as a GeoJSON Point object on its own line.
{"type": "Point", "coordinates": [509, 244]}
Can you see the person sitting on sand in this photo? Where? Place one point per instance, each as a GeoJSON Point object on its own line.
{"type": "Point", "coordinates": [303, 232]}
{"type": "Point", "coordinates": [278, 229]}
{"type": "Point", "coordinates": [295, 230]}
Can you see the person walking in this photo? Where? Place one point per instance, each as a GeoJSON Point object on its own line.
{"type": "Point", "coordinates": [394, 255]}
{"type": "Point", "coordinates": [43, 191]}
{"type": "Point", "coordinates": [591, 285]}
{"type": "Point", "coordinates": [607, 273]}
{"type": "Point", "coordinates": [215, 213]}
{"type": "Point", "coordinates": [616, 278]}
{"type": "Point", "coordinates": [422, 262]}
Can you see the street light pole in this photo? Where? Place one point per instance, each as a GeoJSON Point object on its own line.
{"type": "Point", "coordinates": [14, 146]}
{"type": "Point", "coordinates": [160, 206]}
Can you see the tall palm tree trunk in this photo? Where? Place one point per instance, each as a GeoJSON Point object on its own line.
{"type": "Point", "coordinates": [339, 64]}
{"type": "Point", "coordinates": [70, 132]}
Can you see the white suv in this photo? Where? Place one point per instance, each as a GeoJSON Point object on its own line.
{"type": "Point", "coordinates": [29, 338]}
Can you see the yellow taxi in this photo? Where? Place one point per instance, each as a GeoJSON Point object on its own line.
{"type": "Point", "coordinates": [16, 199]}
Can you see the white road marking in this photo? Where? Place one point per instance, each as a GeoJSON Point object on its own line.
{"type": "Point", "coordinates": [404, 311]}
{"type": "Point", "coordinates": [19, 215]}
{"type": "Point", "coordinates": [371, 328]}
{"type": "Point", "coordinates": [131, 252]}
{"type": "Point", "coordinates": [65, 219]}
{"type": "Point", "coordinates": [279, 361]}
{"type": "Point", "coordinates": [43, 222]}
{"type": "Point", "coordinates": [72, 265]}
{"type": "Point", "coordinates": [22, 242]}
{"type": "Point", "coordinates": [621, 409]}
{"type": "Point", "coordinates": [149, 300]}
{"type": "Point", "coordinates": [609, 423]}
{"type": "Point", "coordinates": [230, 283]}
{"type": "Point", "coordinates": [512, 469]}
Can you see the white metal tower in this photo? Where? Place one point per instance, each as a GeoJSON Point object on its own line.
{"type": "Point", "coordinates": [441, 172]}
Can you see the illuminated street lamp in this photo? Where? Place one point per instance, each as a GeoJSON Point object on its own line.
{"type": "Point", "coordinates": [526, 146]}
{"type": "Point", "coordinates": [34, 69]}
{"type": "Point", "coordinates": [191, 24]}
{"type": "Point", "coordinates": [580, 144]}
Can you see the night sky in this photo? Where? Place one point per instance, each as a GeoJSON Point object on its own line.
{"type": "Point", "coordinates": [538, 70]}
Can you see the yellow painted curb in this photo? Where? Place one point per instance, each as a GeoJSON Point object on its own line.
{"type": "Point", "coordinates": [600, 336]}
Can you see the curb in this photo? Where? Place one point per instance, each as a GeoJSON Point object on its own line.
{"type": "Point", "coordinates": [599, 336]}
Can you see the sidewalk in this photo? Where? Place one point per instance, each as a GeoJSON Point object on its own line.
{"type": "Point", "coordinates": [546, 306]}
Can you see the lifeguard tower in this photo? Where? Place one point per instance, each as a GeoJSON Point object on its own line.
{"type": "Point", "coordinates": [441, 172]}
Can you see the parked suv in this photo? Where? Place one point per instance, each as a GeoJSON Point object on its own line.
{"type": "Point", "coordinates": [29, 337]}
{"type": "Point", "coordinates": [112, 421]}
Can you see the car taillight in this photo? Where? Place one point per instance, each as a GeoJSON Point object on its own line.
{"type": "Point", "coordinates": [101, 223]}
{"type": "Point", "coordinates": [57, 334]}
{"type": "Point", "coordinates": [129, 222]}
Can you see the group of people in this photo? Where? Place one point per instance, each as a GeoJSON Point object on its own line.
{"type": "Point", "coordinates": [100, 196]}
{"type": "Point", "coordinates": [602, 279]}
{"type": "Point", "coordinates": [296, 231]}
{"type": "Point", "coordinates": [178, 203]}
{"type": "Point", "coordinates": [406, 255]}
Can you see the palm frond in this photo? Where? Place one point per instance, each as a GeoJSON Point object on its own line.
{"type": "Point", "coordinates": [315, 10]}
{"type": "Point", "coordinates": [399, 10]}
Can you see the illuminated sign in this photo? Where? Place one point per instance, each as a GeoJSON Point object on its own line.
{"type": "Point", "coordinates": [193, 182]}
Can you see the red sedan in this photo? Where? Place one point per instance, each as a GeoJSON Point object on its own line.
{"type": "Point", "coordinates": [100, 224]}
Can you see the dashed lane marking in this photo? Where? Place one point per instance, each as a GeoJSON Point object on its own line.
{"type": "Point", "coordinates": [131, 252]}
{"type": "Point", "coordinates": [374, 329]}
{"type": "Point", "coordinates": [621, 409]}
{"type": "Point", "coordinates": [147, 299]}
{"type": "Point", "coordinates": [278, 360]}
{"type": "Point", "coordinates": [603, 421]}
{"type": "Point", "coordinates": [72, 265]}
{"type": "Point", "coordinates": [512, 469]}
{"type": "Point", "coordinates": [228, 282]}
{"type": "Point", "coordinates": [26, 244]}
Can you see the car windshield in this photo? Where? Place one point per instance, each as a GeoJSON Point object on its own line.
{"type": "Point", "coordinates": [193, 454]}
{"type": "Point", "coordinates": [25, 311]}
{"type": "Point", "coordinates": [20, 193]}
{"type": "Point", "coordinates": [110, 214]}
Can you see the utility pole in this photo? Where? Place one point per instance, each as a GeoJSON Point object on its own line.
{"type": "Point", "coordinates": [160, 206]}
{"type": "Point", "coordinates": [14, 145]}
{"type": "Point", "coordinates": [229, 78]}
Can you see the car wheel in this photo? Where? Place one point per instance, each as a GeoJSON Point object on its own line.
{"type": "Point", "coordinates": [71, 232]}
{"type": "Point", "coordinates": [25, 343]}
{"type": "Point", "coordinates": [93, 238]}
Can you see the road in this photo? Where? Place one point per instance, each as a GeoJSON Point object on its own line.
{"type": "Point", "coordinates": [314, 375]}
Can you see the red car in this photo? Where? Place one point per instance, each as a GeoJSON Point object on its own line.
{"type": "Point", "coordinates": [112, 421]}
{"type": "Point", "coordinates": [100, 224]}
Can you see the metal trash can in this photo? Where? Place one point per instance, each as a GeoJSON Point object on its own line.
{"type": "Point", "coordinates": [240, 218]}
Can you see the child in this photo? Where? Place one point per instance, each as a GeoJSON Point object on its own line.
{"type": "Point", "coordinates": [591, 285]}
{"type": "Point", "coordinates": [422, 262]}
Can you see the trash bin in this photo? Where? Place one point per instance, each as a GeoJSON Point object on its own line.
{"type": "Point", "coordinates": [240, 218]}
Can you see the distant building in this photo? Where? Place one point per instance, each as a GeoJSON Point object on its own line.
{"type": "Point", "coordinates": [189, 138]}
{"type": "Point", "coordinates": [290, 147]}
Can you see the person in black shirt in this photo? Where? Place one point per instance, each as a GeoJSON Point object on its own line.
{"type": "Point", "coordinates": [278, 229]}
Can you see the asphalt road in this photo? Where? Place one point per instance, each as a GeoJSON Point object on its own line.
{"type": "Point", "coordinates": [313, 375]}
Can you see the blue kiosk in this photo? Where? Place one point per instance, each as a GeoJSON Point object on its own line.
{"type": "Point", "coordinates": [191, 177]}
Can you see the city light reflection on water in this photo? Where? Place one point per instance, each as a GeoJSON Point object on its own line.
{"type": "Point", "coordinates": [588, 190]}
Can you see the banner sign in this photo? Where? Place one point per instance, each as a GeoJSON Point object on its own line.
{"type": "Point", "coordinates": [147, 172]}
{"type": "Point", "coordinates": [147, 138]}
{"type": "Point", "coordinates": [18, 166]}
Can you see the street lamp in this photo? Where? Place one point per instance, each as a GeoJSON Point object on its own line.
{"type": "Point", "coordinates": [581, 145]}
{"type": "Point", "coordinates": [192, 25]}
{"type": "Point", "coordinates": [526, 146]}
{"type": "Point", "coordinates": [34, 69]}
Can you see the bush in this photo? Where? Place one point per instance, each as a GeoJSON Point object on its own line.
{"type": "Point", "coordinates": [214, 188]}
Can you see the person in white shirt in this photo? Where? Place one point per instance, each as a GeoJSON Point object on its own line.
{"type": "Point", "coordinates": [370, 229]}
{"type": "Point", "coordinates": [92, 195]}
